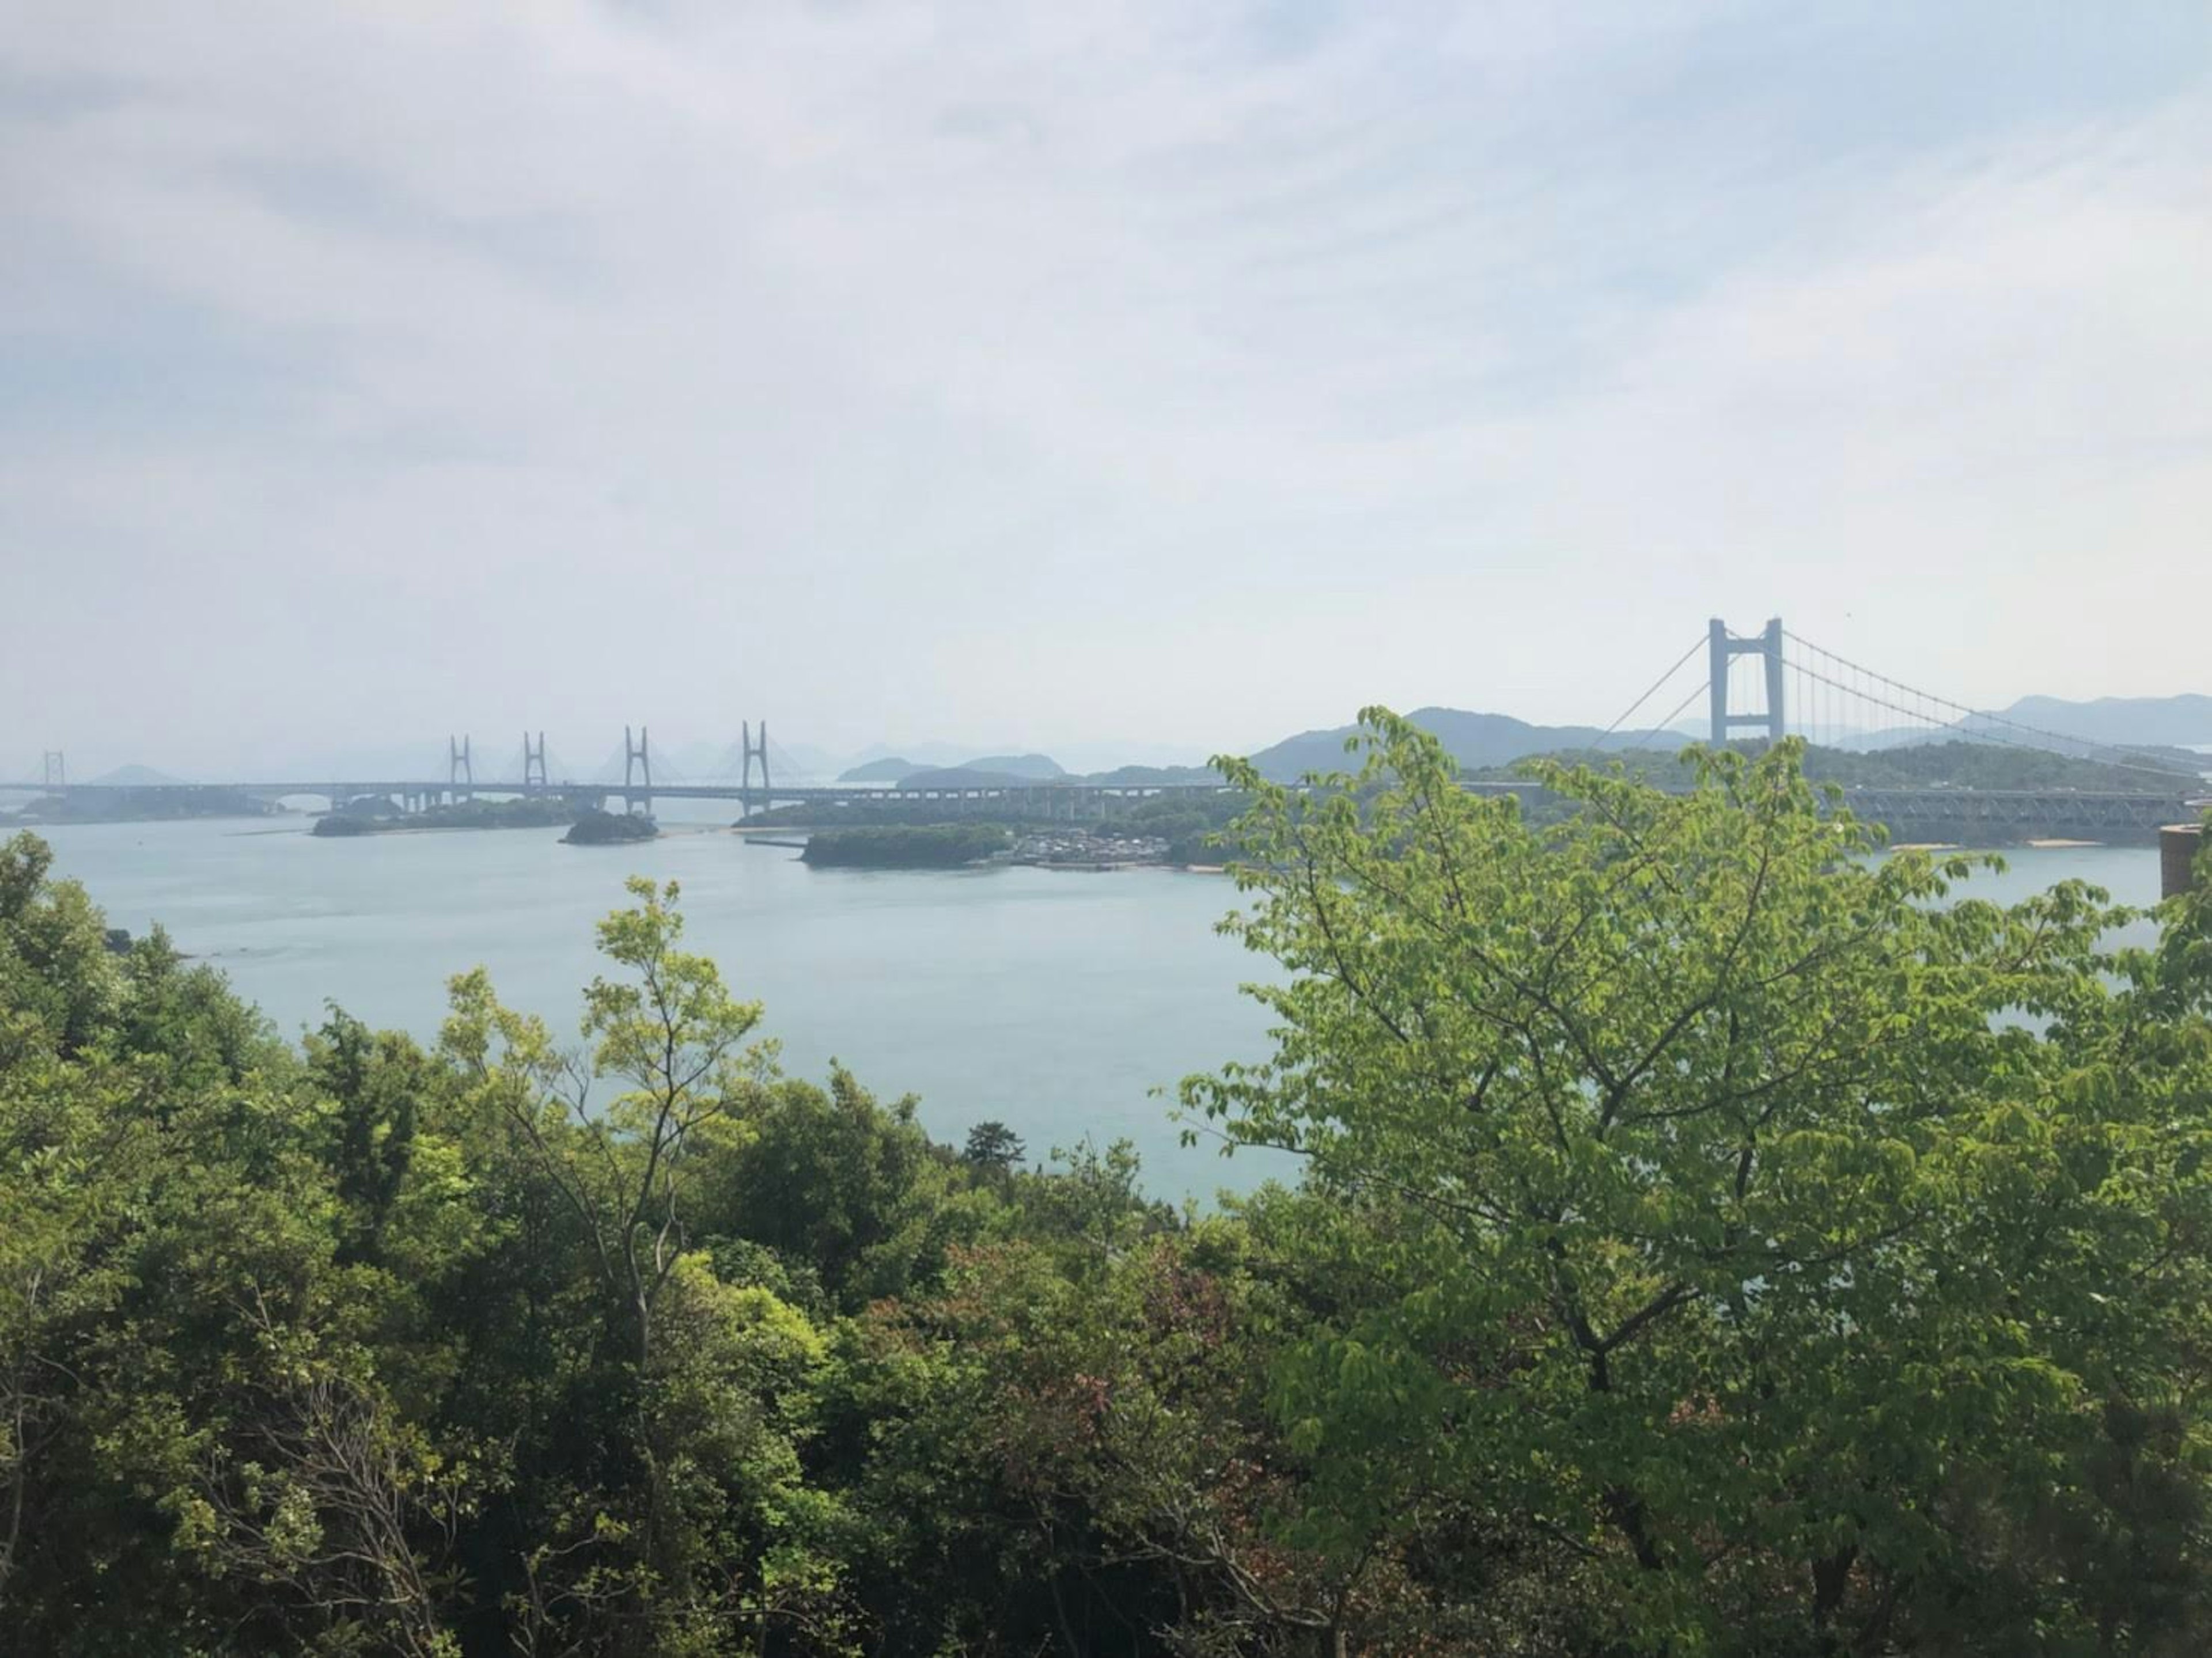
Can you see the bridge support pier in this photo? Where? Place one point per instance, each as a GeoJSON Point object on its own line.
{"type": "Point", "coordinates": [2178, 845]}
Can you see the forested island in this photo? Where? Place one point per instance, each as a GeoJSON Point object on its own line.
{"type": "Point", "coordinates": [610, 829]}
{"type": "Point", "coordinates": [1188, 827]}
{"type": "Point", "coordinates": [380, 817]}
{"type": "Point", "coordinates": [1692, 1253]}
{"type": "Point", "coordinates": [906, 846]}
{"type": "Point", "coordinates": [140, 806]}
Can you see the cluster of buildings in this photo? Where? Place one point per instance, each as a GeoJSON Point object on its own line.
{"type": "Point", "coordinates": [1087, 849]}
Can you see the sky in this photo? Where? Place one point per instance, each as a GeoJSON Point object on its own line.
{"type": "Point", "coordinates": [1133, 377]}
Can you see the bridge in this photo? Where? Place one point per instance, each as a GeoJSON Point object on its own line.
{"type": "Point", "coordinates": [1769, 685]}
{"type": "Point", "coordinates": [1775, 683]}
{"type": "Point", "coordinates": [1910, 813]}
{"type": "Point", "coordinates": [1068, 801]}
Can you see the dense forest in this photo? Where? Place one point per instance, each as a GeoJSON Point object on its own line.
{"type": "Point", "coordinates": [1711, 1241]}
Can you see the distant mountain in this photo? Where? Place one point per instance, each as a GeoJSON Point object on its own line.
{"type": "Point", "coordinates": [926, 754]}
{"type": "Point", "coordinates": [1041, 768]}
{"type": "Point", "coordinates": [136, 777]}
{"type": "Point", "coordinates": [1474, 740]}
{"type": "Point", "coordinates": [1146, 777]}
{"type": "Point", "coordinates": [1101, 754]}
{"type": "Point", "coordinates": [965, 777]}
{"type": "Point", "coordinates": [2184, 721]}
{"type": "Point", "coordinates": [880, 771]}
{"type": "Point", "coordinates": [1070, 759]}
{"type": "Point", "coordinates": [805, 759]}
{"type": "Point", "coordinates": [687, 762]}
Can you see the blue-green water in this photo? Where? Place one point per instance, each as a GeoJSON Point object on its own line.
{"type": "Point", "coordinates": [1055, 1002]}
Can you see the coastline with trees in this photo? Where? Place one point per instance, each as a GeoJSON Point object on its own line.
{"type": "Point", "coordinates": [380, 817]}
{"type": "Point", "coordinates": [907, 846]}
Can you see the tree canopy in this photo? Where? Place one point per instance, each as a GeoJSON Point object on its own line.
{"type": "Point", "coordinates": [1718, 1235]}
{"type": "Point", "coordinates": [1798, 1243]}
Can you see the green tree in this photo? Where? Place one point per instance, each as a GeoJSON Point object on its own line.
{"type": "Point", "coordinates": [992, 1146]}
{"type": "Point", "coordinates": [375, 1082]}
{"type": "Point", "coordinates": [672, 1033]}
{"type": "Point", "coordinates": [839, 1186]}
{"type": "Point", "coordinates": [1743, 1210]}
{"type": "Point", "coordinates": [69, 1174]}
{"type": "Point", "coordinates": [58, 982]}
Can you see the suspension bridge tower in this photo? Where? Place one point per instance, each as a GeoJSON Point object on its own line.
{"type": "Point", "coordinates": [1725, 647]}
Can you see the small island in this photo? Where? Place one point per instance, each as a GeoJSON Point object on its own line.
{"type": "Point", "coordinates": [1176, 831]}
{"type": "Point", "coordinates": [610, 829]}
{"type": "Point", "coordinates": [907, 846]}
{"type": "Point", "coordinates": [380, 817]}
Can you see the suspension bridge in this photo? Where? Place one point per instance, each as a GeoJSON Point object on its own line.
{"type": "Point", "coordinates": [1775, 683]}
{"type": "Point", "coordinates": [1764, 685]}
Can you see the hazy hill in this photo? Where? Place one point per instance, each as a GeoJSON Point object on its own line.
{"type": "Point", "coordinates": [1131, 777]}
{"type": "Point", "coordinates": [805, 759]}
{"type": "Point", "coordinates": [929, 753]}
{"type": "Point", "coordinates": [1040, 767]}
{"type": "Point", "coordinates": [890, 770]}
{"type": "Point", "coordinates": [137, 777]}
{"type": "Point", "coordinates": [965, 777]}
{"type": "Point", "coordinates": [2184, 720]}
{"type": "Point", "coordinates": [1475, 740]}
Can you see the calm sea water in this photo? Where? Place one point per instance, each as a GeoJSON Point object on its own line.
{"type": "Point", "coordinates": [1055, 1002]}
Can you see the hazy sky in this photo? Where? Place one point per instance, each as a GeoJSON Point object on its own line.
{"type": "Point", "coordinates": [1070, 372]}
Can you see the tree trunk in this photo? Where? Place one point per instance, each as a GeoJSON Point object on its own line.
{"type": "Point", "coordinates": [1832, 1579]}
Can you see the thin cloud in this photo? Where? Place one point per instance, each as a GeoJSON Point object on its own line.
{"type": "Point", "coordinates": [1059, 373]}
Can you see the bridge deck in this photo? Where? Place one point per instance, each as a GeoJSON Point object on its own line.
{"type": "Point", "coordinates": [1936, 808]}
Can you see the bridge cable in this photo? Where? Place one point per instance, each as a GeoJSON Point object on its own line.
{"type": "Point", "coordinates": [1935, 720]}
{"type": "Point", "coordinates": [1631, 709]}
{"type": "Point", "coordinates": [1645, 737]}
{"type": "Point", "coordinates": [2166, 774]}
